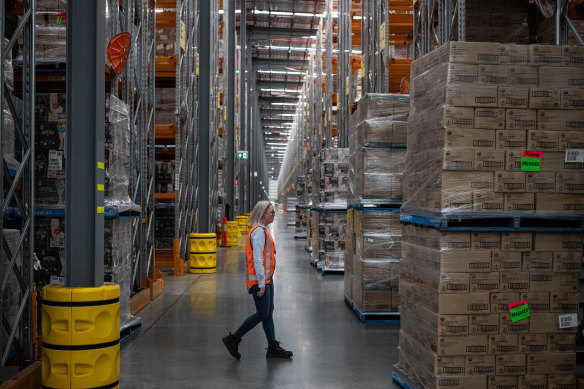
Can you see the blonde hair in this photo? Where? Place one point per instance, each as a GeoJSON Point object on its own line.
{"type": "Point", "coordinates": [255, 218]}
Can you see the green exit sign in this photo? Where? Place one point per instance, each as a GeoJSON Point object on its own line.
{"type": "Point", "coordinates": [242, 155]}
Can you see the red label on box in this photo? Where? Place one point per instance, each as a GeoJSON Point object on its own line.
{"type": "Point", "coordinates": [517, 304]}
{"type": "Point", "coordinates": [532, 154]}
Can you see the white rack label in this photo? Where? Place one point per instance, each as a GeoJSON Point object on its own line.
{"type": "Point", "coordinates": [574, 155]}
{"type": "Point", "coordinates": [55, 160]}
{"type": "Point", "coordinates": [569, 320]}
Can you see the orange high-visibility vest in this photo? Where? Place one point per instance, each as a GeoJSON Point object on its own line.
{"type": "Point", "coordinates": [269, 259]}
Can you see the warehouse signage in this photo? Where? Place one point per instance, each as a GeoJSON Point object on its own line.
{"type": "Point", "coordinates": [531, 161]}
{"type": "Point", "coordinates": [242, 154]}
{"type": "Point", "coordinates": [519, 310]}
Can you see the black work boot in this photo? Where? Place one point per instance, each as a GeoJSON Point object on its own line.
{"type": "Point", "coordinates": [275, 351]}
{"type": "Point", "coordinates": [231, 343]}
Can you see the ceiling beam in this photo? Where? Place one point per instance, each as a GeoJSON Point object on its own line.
{"type": "Point", "coordinates": [262, 63]}
{"type": "Point", "coordinates": [270, 32]}
{"type": "Point", "coordinates": [279, 84]}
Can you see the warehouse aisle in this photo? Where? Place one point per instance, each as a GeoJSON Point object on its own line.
{"type": "Point", "coordinates": [180, 345]}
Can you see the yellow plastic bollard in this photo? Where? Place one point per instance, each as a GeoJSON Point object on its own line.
{"type": "Point", "coordinates": [203, 253]}
{"type": "Point", "coordinates": [81, 337]}
{"type": "Point", "coordinates": [233, 233]}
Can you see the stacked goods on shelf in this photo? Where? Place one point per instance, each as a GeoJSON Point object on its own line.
{"type": "Point", "coordinates": [332, 226]}
{"type": "Point", "coordinates": [334, 168]}
{"type": "Point", "coordinates": [302, 190]}
{"type": "Point", "coordinates": [377, 143]}
{"type": "Point", "coordinates": [164, 227]}
{"type": "Point", "coordinates": [479, 108]}
{"type": "Point", "coordinates": [497, 21]}
{"type": "Point", "coordinates": [165, 100]}
{"type": "Point", "coordinates": [8, 133]}
{"type": "Point", "coordinates": [50, 29]}
{"type": "Point", "coordinates": [11, 297]}
{"type": "Point", "coordinates": [165, 42]}
{"type": "Point", "coordinates": [117, 156]}
{"type": "Point", "coordinates": [487, 305]}
{"type": "Point", "coordinates": [302, 212]}
{"type": "Point", "coordinates": [164, 176]}
{"type": "Point", "coordinates": [378, 152]}
{"type": "Point", "coordinates": [49, 247]}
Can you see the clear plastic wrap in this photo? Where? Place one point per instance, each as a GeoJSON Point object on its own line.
{"type": "Point", "coordinates": [334, 169]}
{"type": "Point", "coordinates": [8, 69]}
{"type": "Point", "coordinates": [8, 138]}
{"type": "Point", "coordinates": [164, 171]}
{"type": "Point", "coordinates": [11, 297]}
{"type": "Point", "coordinates": [475, 111]}
{"type": "Point", "coordinates": [302, 215]}
{"type": "Point", "coordinates": [378, 173]}
{"type": "Point", "coordinates": [117, 156]}
{"type": "Point", "coordinates": [121, 264]}
{"type": "Point", "coordinates": [375, 284]}
{"type": "Point", "coordinates": [165, 105]}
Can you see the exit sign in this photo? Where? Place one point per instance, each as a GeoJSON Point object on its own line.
{"type": "Point", "coordinates": [242, 155]}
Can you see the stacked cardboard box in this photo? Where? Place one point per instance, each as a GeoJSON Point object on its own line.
{"type": "Point", "coordinates": [456, 288]}
{"type": "Point", "coordinates": [165, 42]}
{"type": "Point", "coordinates": [164, 228]}
{"type": "Point", "coordinates": [302, 215]}
{"type": "Point", "coordinates": [334, 168]}
{"type": "Point", "coordinates": [50, 29]}
{"type": "Point", "coordinates": [497, 21]}
{"type": "Point", "coordinates": [477, 108]}
{"type": "Point", "coordinates": [165, 103]}
{"type": "Point", "coordinates": [164, 176]}
{"type": "Point", "coordinates": [332, 227]}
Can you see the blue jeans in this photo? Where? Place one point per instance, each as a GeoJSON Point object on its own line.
{"type": "Point", "coordinates": [264, 309]}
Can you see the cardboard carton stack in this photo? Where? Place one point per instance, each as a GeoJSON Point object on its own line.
{"type": "Point", "coordinates": [51, 29]}
{"type": "Point", "coordinates": [377, 161]}
{"type": "Point", "coordinates": [462, 290]}
{"type": "Point", "coordinates": [302, 211]}
{"type": "Point", "coordinates": [165, 102]}
{"type": "Point", "coordinates": [164, 227]}
{"type": "Point", "coordinates": [164, 176]}
{"type": "Point", "coordinates": [497, 21]}
{"type": "Point", "coordinates": [334, 168]}
{"type": "Point", "coordinates": [478, 107]}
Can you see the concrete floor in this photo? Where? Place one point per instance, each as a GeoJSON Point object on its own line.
{"type": "Point", "coordinates": [180, 345]}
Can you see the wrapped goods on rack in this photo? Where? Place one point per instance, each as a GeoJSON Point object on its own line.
{"type": "Point", "coordinates": [331, 228]}
{"type": "Point", "coordinates": [489, 131]}
{"type": "Point", "coordinates": [164, 228]}
{"type": "Point", "coordinates": [8, 69]}
{"type": "Point", "coordinates": [165, 42]}
{"type": "Point", "coordinates": [497, 21]}
{"type": "Point", "coordinates": [164, 176]}
{"type": "Point", "coordinates": [118, 156]}
{"type": "Point", "coordinates": [49, 247]}
{"type": "Point", "coordinates": [165, 105]}
{"type": "Point", "coordinates": [334, 169]}
{"type": "Point", "coordinates": [8, 137]}
{"type": "Point", "coordinates": [11, 297]}
{"type": "Point", "coordinates": [458, 291]}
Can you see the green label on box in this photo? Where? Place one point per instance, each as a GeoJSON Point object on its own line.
{"type": "Point", "coordinates": [530, 164]}
{"type": "Point", "coordinates": [521, 312]}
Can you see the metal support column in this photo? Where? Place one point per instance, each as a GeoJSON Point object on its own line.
{"type": "Point", "coordinates": [84, 223]}
{"type": "Point", "coordinates": [242, 112]}
{"type": "Point", "coordinates": [204, 123]}
{"type": "Point", "coordinates": [229, 162]}
{"type": "Point", "coordinates": [250, 125]}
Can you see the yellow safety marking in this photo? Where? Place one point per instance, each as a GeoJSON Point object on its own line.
{"type": "Point", "coordinates": [100, 187]}
{"type": "Point", "coordinates": [100, 209]}
{"type": "Point", "coordinates": [100, 165]}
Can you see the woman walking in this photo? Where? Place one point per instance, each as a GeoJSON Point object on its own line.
{"type": "Point", "coordinates": [260, 265]}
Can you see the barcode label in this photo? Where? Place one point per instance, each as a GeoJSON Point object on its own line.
{"type": "Point", "coordinates": [575, 155]}
{"type": "Point", "coordinates": [569, 320]}
{"type": "Point", "coordinates": [55, 160]}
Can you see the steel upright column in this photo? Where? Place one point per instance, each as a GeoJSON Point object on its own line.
{"type": "Point", "coordinates": [242, 122]}
{"type": "Point", "coordinates": [250, 125]}
{"type": "Point", "coordinates": [229, 163]}
{"type": "Point", "coordinates": [204, 123]}
{"type": "Point", "coordinates": [85, 153]}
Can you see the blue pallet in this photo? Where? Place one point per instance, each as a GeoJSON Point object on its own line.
{"type": "Point", "coordinates": [126, 332]}
{"type": "Point", "coordinates": [376, 317]}
{"type": "Point", "coordinates": [403, 379]}
{"type": "Point", "coordinates": [162, 206]}
{"type": "Point", "coordinates": [498, 221]}
{"type": "Point", "coordinates": [299, 237]}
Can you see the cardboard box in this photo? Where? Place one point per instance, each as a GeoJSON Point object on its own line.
{"type": "Point", "coordinates": [544, 98]}
{"type": "Point", "coordinates": [514, 282]}
{"type": "Point", "coordinates": [545, 54]}
{"type": "Point", "coordinates": [560, 77]}
{"type": "Point", "coordinates": [454, 282]}
{"type": "Point", "coordinates": [550, 282]}
{"type": "Point", "coordinates": [540, 182]}
{"type": "Point", "coordinates": [462, 73]}
{"type": "Point", "coordinates": [510, 364]}
{"type": "Point", "coordinates": [533, 343]}
{"type": "Point", "coordinates": [551, 363]}
{"type": "Point", "coordinates": [513, 97]}
{"type": "Point", "coordinates": [516, 241]}
{"type": "Point", "coordinates": [511, 140]}
{"type": "Point", "coordinates": [509, 182]}
{"type": "Point", "coordinates": [561, 342]}
{"type": "Point", "coordinates": [428, 360]}
{"type": "Point", "coordinates": [458, 159]}
{"type": "Point", "coordinates": [521, 119]}
{"type": "Point", "coordinates": [442, 325]}
{"type": "Point", "coordinates": [519, 202]}
{"type": "Point", "coordinates": [560, 120]}
{"type": "Point", "coordinates": [475, 96]}
{"type": "Point", "coordinates": [500, 301]}
{"type": "Point", "coordinates": [480, 365]}
{"type": "Point", "coordinates": [455, 304]}
{"type": "Point", "coordinates": [523, 75]}
{"type": "Point", "coordinates": [484, 282]}
{"type": "Point", "coordinates": [448, 261]}
{"type": "Point", "coordinates": [484, 324]}
{"type": "Point", "coordinates": [454, 138]}
{"type": "Point", "coordinates": [462, 345]}
{"type": "Point", "coordinates": [561, 381]}
{"type": "Point", "coordinates": [489, 118]}
{"type": "Point", "coordinates": [507, 326]}
{"type": "Point", "coordinates": [513, 53]}
{"type": "Point", "coordinates": [555, 161]}
{"type": "Point", "coordinates": [564, 302]}
{"type": "Point", "coordinates": [564, 241]}
{"type": "Point", "coordinates": [538, 140]}
{"type": "Point", "coordinates": [537, 261]}
{"type": "Point", "coordinates": [572, 98]}
{"type": "Point", "coordinates": [474, 52]}
{"type": "Point", "coordinates": [506, 261]}
{"type": "Point", "coordinates": [572, 140]}
{"type": "Point", "coordinates": [458, 117]}
{"type": "Point", "coordinates": [536, 301]}
{"type": "Point", "coordinates": [548, 323]}
{"type": "Point", "coordinates": [567, 261]}
{"type": "Point", "coordinates": [502, 381]}
{"type": "Point", "coordinates": [485, 240]}
{"type": "Point", "coordinates": [503, 344]}
{"type": "Point", "coordinates": [572, 55]}
{"type": "Point", "coordinates": [533, 381]}
{"type": "Point", "coordinates": [559, 202]}
{"type": "Point", "coordinates": [497, 75]}
{"type": "Point", "coordinates": [483, 201]}
{"type": "Point", "coordinates": [488, 160]}
{"type": "Point", "coordinates": [513, 160]}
